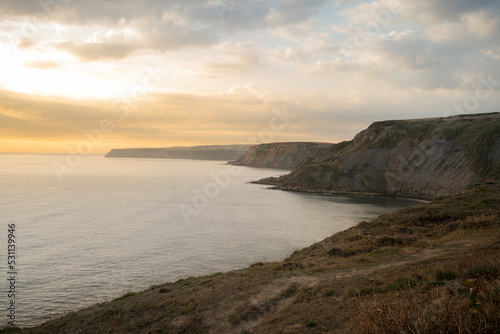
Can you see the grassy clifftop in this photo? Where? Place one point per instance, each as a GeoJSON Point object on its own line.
{"type": "Point", "coordinates": [477, 134]}
{"type": "Point", "coordinates": [412, 158]}
{"type": "Point", "coordinates": [430, 268]}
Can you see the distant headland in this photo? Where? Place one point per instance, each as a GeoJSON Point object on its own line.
{"type": "Point", "coordinates": [205, 152]}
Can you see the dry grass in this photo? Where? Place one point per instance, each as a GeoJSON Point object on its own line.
{"type": "Point", "coordinates": [429, 312]}
{"type": "Point", "coordinates": [450, 296]}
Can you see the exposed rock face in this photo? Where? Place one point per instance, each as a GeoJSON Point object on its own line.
{"type": "Point", "coordinates": [208, 152]}
{"type": "Point", "coordinates": [412, 158]}
{"type": "Point", "coordinates": [281, 155]}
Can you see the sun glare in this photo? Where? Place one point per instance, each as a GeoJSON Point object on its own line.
{"type": "Point", "coordinates": [54, 82]}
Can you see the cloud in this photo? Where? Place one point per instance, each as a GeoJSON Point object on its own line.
{"type": "Point", "coordinates": [251, 15]}
{"type": "Point", "coordinates": [249, 89]}
{"type": "Point", "coordinates": [381, 12]}
{"type": "Point", "coordinates": [26, 116]}
{"type": "Point", "coordinates": [479, 28]}
{"type": "Point", "coordinates": [229, 117]}
{"type": "Point", "coordinates": [437, 11]}
{"type": "Point", "coordinates": [52, 117]}
{"type": "Point", "coordinates": [153, 25]}
{"type": "Point", "coordinates": [170, 38]}
{"type": "Point", "coordinates": [407, 51]}
{"type": "Point", "coordinates": [332, 67]}
{"type": "Point", "coordinates": [26, 43]}
{"type": "Point", "coordinates": [123, 42]}
{"type": "Point", "coordinates": [42, 64]}
{"type": "Point", "coordinates": [295, 11]}
{"type": "Point", "coordinates": [97, 51]}
{"type": "Point", "coordinates": [158, 26]}
{"type": "Point", "coordinates": [233, 58]}
{"type": "Point", "coordinates": [83, 12]}
{"type": "Point", "coordinates": [415, 44]}
{"type": "Point", "coordinates": [245, 14]}
{"type": "Point", "coordinates": [290, 55]}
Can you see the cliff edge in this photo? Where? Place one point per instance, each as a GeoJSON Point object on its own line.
{"type": "Point", "coordinates": [420, 158]}
{"type": "Point", "coordinates": [280, 155]}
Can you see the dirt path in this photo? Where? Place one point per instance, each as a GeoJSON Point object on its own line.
{"type": "Point", "coordinates": [280, 293]}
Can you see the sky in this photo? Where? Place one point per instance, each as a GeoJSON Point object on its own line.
{"type": "Point", "coordinates": [88, 76]}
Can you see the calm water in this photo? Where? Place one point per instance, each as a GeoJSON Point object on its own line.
{"type": "Point", "coordinates": [117, 225]}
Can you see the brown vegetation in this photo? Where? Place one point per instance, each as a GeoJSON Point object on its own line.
{"type": "Point", "coordinates": [447, 297]}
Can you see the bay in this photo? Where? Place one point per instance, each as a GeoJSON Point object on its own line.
{"type": "Point", "coordinates": [109, 226]}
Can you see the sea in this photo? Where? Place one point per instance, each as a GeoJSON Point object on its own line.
{"type": "Point", "coordinates": [89, 230]}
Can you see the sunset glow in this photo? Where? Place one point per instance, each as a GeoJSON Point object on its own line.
{"type": "Point", "coordinates": [216, 72]}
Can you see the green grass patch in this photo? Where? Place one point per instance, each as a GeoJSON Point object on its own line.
{"type": "Point", "coordinates": [311, 324]}
{"type": "Point", "coordinates": [385, 251]}
{"type": "Point", "coordinates": [403, 283]}
{"type": "Point", "coordinates": [443, 275]}
{"type": "Point", "coordinates": [10, 329]}
{"type": "Point", "coordinates": [276, 320]}
{"type": "Point", "coordinates": [128, 294]}
{"type": "Point", "coordinates": [486, 272]}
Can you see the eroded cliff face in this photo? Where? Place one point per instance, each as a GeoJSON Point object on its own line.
{"type": "Point", "coordinates": [281, 155]}
{"type": "Point", "coordinates": [207, 152]}
{"type": "Point", "coordinates": [412, 158]}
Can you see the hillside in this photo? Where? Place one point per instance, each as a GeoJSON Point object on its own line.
{"type": "Point", "coordinates": [420, 158]}
{"type": "Point", "coordinates": [280, 155]}
{"type": "Point", "coordinates": [207, 152]}
{"type": "Point", "coordinates": [432, 268]}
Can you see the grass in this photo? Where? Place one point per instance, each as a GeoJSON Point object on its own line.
{"type": "Point", "coordinates": [445, 275]}
{"type": "Point", "coordinates": [417, 312]}
{"type": "Point", "coordinates": [455, 302]}
{"type": "Point", "coordinates": [311, 324]}
{"type": "Point", "coordinates": [127, 295]}
{"type": "Point", "coordinates": [10, 329]}
{"type": "Point", "coordinates": [329, 293]}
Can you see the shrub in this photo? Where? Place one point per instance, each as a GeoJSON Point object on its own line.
{"type": "Point", "coordinates": [480, 264]}
{"type": "Point", "coordinates": [311, 324]}
{"type": "Point", "coordinates": [256, 264]}
{"type": "Point", "coordinates": [445, 275]}
{"type": "Point", "coordinates": [425, 312]}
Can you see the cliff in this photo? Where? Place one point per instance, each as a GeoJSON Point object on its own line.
{"type": "Point", "coordinates": [207, 152]}
{"type": "Point", "coordinates": [280, 155]}
{"type": "Point", "coordinates": [419, 158]}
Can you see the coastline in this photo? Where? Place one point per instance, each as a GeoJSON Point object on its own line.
{"type": "Point", "coordinates": [414, 254]}
{"type": "Point", "coordinates": [275, 186]}
{"type": "Point", "coordinates": [344, 192]}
